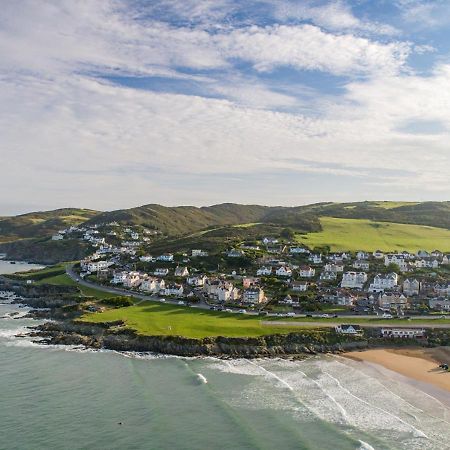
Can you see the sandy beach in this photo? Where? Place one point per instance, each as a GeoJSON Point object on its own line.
{"type": "Point", "coordinates": [420, 364]}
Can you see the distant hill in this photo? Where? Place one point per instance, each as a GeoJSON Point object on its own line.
{"type": "Point", "coordinates": [43, 223]}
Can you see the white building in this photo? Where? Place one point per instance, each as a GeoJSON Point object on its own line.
{"type": "Point", "coordinates": [161, 272]}
{"type": "Point", "coordinates": [328, 276]}
{"type": "Point", "coordinates": [299, 286]}
{"type": "Point", "coordinates": [362, 255]}
{"type": "Point", "coordinates": [411, 287]}
{"type": "Point", "coordinates": [410, 333]}
{"type": "Point", "coordinates": [264, 271]}
{"type": "Point", "coordinates": [146, 258]}
{"type": "Point", "coordinates": [119, 277]}
{"type": "Point", "coordinates": [354, 330]}
{"type": "Point", "coordinates": [306, 272]}
{"type": "Point", "coordinates": [181, 272]}
{"type": "Point", "coordinates": [174, 289]}
{"type": "Point", "coordinates": [392, 300]}
{"type": "Point", "coordinates": [132, 279]}
{"type": "Point", "coordinates": [283, 271]}
{"type": "Point", "coordinates": [253, 296]}
{"type": "Point", "coordinates": [361, 264]}
{"type": "Point", "coordinates": [200, 253]}
{"type": "Point", "coordinates": [196, 281]}
{"type": "Point", "coordinates": [378, 254]}
{"type": "Point", "coordinates": [398, 259]}
{"type": "Point", "coordinates": [315, 259]}
{"type": "Point", "coordinates": [354, 280]}
{"type": "Point", "coordinates": [382, 282]}
{"type": "Point", "coordinates": [152, 284]}
{"type": "Point", "coordinates": [168, 257]}
{"type": "Point", "coordinates": [334, 267]}
{"type": "Point", "coordinates": [299, 251]}
{"type": "Point", "coordinates": [57, 237]}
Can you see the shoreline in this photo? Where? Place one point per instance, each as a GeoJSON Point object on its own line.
{"type": "Point", "coordinates": [418, 364]}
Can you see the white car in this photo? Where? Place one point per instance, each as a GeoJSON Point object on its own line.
{"type": "Point", "coordinates": [324, 316]}
{"type": "Point", "coordinates": [387, 316]}
{"type": "Point", "coordinates": [180, 302]}
{"type": "Point", "coordinates": [162, 300]}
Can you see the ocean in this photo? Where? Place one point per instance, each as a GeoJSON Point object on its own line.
{"type": "Point", "coordinates": [68, 398]}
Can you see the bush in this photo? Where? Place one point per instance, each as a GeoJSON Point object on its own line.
{"type": "Point", "coordinates": [118, 302]}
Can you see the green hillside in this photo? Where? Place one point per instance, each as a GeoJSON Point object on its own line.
{"type": "Point", "coordinates": [44, 223]}
{"type": "Point", "coordinates": [360, 234]}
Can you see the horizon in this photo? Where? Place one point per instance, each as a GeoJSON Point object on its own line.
{"type": "Point", "coordinates": [3, 215]}
{"type": "Point", "coordinates": [105, 104]}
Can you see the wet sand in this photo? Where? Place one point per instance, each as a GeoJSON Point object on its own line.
{"type": "Point", "coordinates": [420, 364]}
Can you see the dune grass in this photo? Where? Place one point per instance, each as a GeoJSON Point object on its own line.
{"type": "Point", "coordinates": [362, 234]}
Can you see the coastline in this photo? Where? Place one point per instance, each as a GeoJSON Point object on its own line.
{"type": "Point", "coordinates": [415, 363]}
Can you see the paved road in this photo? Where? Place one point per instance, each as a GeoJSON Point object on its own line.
{"type": "Point", "coordinates": [362, 324]}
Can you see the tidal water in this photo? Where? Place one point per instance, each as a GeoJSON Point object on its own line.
{"type": "Point", "coordinates": [19, 266]}
{"type": "Point", "coordinates": [68, 398]}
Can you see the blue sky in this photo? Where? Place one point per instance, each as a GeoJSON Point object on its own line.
{"type": "Point", "coordinates": [113, 103]}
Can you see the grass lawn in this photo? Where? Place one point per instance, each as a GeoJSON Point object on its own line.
{"type": "Point", "coordinates": [155, 319]}
{"type": "Point", "coordinates": [361, 234]}
{"type": "Point", "coordinates": [65, 280]}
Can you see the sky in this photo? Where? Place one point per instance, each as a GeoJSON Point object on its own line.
{"type": "Point", "coordinates": [109, 104]}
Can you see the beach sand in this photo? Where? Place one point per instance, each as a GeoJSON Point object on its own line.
{"type": "Point", "coordinates": [420, 364]}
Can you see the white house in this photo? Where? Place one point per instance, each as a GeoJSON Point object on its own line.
{"type": "Point", "coordinates": [328, 276]}
{"type": "Point", "coordinates": [174, 289]}
{"type": "Point", "coordinates": [392, 300]}
{"type": "Point", "coordinates": [283, 271]}
{"type": "Point", "coordinates": [298, 250]}
{"type": "Point", "coordinates": [361, 264]}
{"type": "Point", "coordinates": [146, 258]}
{"type": "Point", "coordinates": [446, 259]}
{"type": "Point", "coordinates": [94, 266]}
{"type": "Point", "coordinates": [152, 284]}
{"type": "Point", "coordinates": [233, 253]}
{"type": "Point", "coordinates": [161, 272]}
{"type": "Point", "coordinates": [362, 255]}
{"type": "Point", "coordinates": [439, 303]}
{"type": "Point", "coordinates": [119, 277]}
{"type": "Point", "coordinates": [398, 259]}
{"type": "Point", "coordinates": [306, 272]}
{"type": "Point", "coordinates": [382, 282]}
{"type": "Point", "coordinates": [57, 237]}
{"type": "Point", "coordinates": [299, 286]}
{"type": "Point", "coordinates": [181, 272]}
{"type": "Point", "coordinates": [354, 330]}
{"type": "Point", "coordinates": [337, 267]}
{"type": "Point", "coordinates": [200, 253]}
{"type": "Point", "coordinates": [253, 295]}
{"type": "Point", "coordinates": [411, 287]}
{"type": "Point", "coordinates": [168, 257]}
{"type": "Point", "coordinates": [315, 259]}
{"type": "Point", "coordinates": [354, 280]}
{"type": "Point", "coordinates": [264, 271]}
{"type": "Point", "coordinates": [270, 240]}
{"type": "Point", "coordinates": [133, 279]}
{"type": "Point", "coordinates": [196, 281]}
{"type": "Point", "coordinates": [410, 333]}
{"type": "Point", "coordinates": [378, 254]}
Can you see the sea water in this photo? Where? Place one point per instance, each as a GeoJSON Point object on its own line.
{"type": "Point", "coordinates": [70, 398]}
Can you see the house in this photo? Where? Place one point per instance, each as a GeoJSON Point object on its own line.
{"type": "Point", "coordinates": [270, 240]}
{"type": "Point", "coordinates": [410, 333]}
{"type": "Point", "coordinates": [146, 258]}
{"type": "Point", "coordinates": [119, 277]}
{"type": "Point", "coordinates": [378, 254]}
{"type": "Point", "coordinates": [328, 276]}
{"type": "Point", "coordinates": [306, 272]}
{"type": "Point", "coordinates": [439, 303]}
{"type": "Point", "coordinates": [298, 250]}
{"type": "Point", "coordinates": [253, 296]}
{"type": "Point", "coordinates": [382, 282]}
{"type": "Point", "coordinates": [152, 284]}
{"type": "Point", "coordinates": [264, 271]}
{"type": "Point", "coordinates": [233, 253]}
{"type": "Point", "coordinates": [181, 271]}
{"type": "Point", "coordinates": [362, 255]}
{"type": "Point", "coordinates": [361, 264]}
{"type": "Point", "coordinates": [167, 257]}
{"type": "Point", "coordinates": [315, 259]}
{"type": "Point", "coordinates": [299, 286]}
{"type": "Point", "coordinates": [337, 267]}
{"type": "Point", "coordinates": [161, 272]}
{"type": "Point", "coordinates": [354, 280]}
{"type": "Point", "coordinates": [397, 259]}
{"type": "Point", "coordinates": [199, 253]}
{"type": "Point", "coordinates": [132, 279]}
{"type": "Point", "coordinates": [196, 281]}
{"type": "Point", "coordinates": [392, 300]}
{"type": "Point", "coordinates": [57, 237]}
{"type": "Point", "coordinates": [411, 287]}
{"type": "Point", "coordinates": [94, 266]}
{"type": "Point", "coordinates": [174, 289]}
{"type": "Point", "coordinates": [283, 271]}
{"type": "Point", "coordinates": [276, 249]}
{"type": "Point", "coordinates": [338, 257]}
{"type": "Point", "coordinates": [134, 235]}
{"type": "Point", "coordinates": [354, 330]}
{"type": "Point", "coordinates": [446, 259]}
{"type": "Point", "coordinates": [222, 291]}
{"type": "Point", "coordinates": [248, 282]}
{"type": "Point", "coordinates": [423, 254]}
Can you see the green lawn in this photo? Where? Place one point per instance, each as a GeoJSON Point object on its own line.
{"type": "Point", "coordinates": [361, 234]}
{"type": "Point", "coordinates": [155, 319]}
{"type": "Point", "coordinates": [65, 280]}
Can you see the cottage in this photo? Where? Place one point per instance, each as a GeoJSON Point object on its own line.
{"type": "Point", "coordinates": [306, 272]}
{"type": "Point", "coordinates": [283, 271]}
{"type": "Point", "coordinates": [409, 333]}
{"type": "Point", "coordinates": [315, 259]}
{"type": "Point", "coordinates": [264, 271]}
{"type": "Point", "coordinates": [361, 264]}
{"type": "Point", "coordinates": [298, 250]}
{"type": "Point", "coordinates": [167, 257]}
{"type": "Point", "coordinates": [328, 276]}
{"type": "Point", "coordinates": [233, 253]}
{"type": "Point", "coordinates": [248, 282]}
{"type": "Point", "coordinates": [199, 253]}
{"type": "Point", "coordinates": [355, 280]}
{"type": "Point", "coordinates": [161, 272]}
{"type": "Point", "coordinates": [354, 330]}
{"type": "Point", "coordinates": [196, 281]}
{"type": "Point", "coordinates": [181, 271]}
{"type": "Point", "coordinates": [299, 286]}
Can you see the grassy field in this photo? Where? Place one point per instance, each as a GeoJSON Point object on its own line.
{"type": "Point", "coordinates": [155, 319]}
{"type": "Point", "coordinates": [361, 234]}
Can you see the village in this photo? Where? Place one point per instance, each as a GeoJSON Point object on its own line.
{"type": "Point", "coordinates": [271, 275]}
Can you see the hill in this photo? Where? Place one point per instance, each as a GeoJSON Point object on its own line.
{"type": "Point", "coordinates": [361, 234]}
{"type": "Point", "coordinates": [43, 223]}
